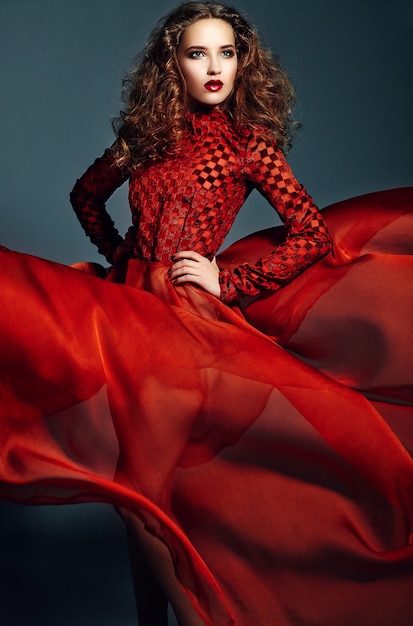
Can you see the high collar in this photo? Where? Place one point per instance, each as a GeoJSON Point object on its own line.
{"type": "Point", "coordinates": [204, 120]}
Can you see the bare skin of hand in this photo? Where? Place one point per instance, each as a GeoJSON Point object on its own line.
{"type": "Point", "coordinates": [191, 267]}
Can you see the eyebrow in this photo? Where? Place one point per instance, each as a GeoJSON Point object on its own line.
{"type": "Point", "coordinates": [224, 47]}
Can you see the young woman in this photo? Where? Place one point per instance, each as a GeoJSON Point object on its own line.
{"type": "Point", "coordinates": [247, 412]}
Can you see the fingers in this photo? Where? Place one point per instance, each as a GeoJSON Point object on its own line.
{"type": "Point", "coordinates": [188, 263]}
{"type": "Point", "coordinates": [189, 255]}
{"type": "Point", "coordinates": [186, 266]}
{"type": "Point", "coordinates": [192, 267]}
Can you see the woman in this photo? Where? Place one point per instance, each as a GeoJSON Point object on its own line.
{"type": "Point", "coordinates": [247, 476]}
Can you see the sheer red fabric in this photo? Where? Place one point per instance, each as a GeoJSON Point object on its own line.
{"type": "Point", "coordinates": [279, 474]}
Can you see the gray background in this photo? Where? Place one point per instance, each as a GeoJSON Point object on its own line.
{"type": "Point", "coordinates": [62, 62]}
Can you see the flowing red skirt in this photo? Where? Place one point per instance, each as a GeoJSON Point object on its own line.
{"type": "Point", "coordinates": [271, 451]}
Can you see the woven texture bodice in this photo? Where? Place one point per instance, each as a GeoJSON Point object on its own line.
{"type": "Point", "coordinates": [189, 202]}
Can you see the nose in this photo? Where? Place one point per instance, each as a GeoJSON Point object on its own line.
{"type": "Point", "coordinates": [214, 66]}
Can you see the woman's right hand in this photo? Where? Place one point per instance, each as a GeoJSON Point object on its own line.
{"type": "Point", "coordinates": [192, 267]}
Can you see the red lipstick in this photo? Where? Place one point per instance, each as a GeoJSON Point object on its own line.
{"type": "Point", "coordinates": [214, 85]}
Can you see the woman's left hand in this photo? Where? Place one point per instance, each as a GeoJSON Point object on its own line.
{"type": "Point", "coordinates": [191, 267]}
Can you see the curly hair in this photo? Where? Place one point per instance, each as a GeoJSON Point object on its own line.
{"type": "Point", "coordinates": [154, 119]}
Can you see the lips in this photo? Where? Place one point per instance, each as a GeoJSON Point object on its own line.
{"type": "Point", "coordinates": [214, 85]}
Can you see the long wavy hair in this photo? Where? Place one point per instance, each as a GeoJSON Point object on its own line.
{"type": "Point", "coordinates": [154, 119]}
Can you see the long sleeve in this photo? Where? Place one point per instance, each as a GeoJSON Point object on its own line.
{"type": "Point", "coordinates": [307, 238]}
{"type": "Point", "coordinates": [88, 199]}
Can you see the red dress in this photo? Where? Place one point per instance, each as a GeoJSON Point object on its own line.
{"type": "Point", "coordinates": [278, 473]}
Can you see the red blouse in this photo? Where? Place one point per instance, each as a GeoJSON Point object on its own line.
{"type": "Point", "coordinates": [189, 202]}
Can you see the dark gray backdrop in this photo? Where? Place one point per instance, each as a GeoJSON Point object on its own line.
{"type": "Point", "coordinates": [62, 62]}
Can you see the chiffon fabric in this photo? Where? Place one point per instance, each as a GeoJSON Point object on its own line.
{"type": "Point", "coordinates": [269, 447]}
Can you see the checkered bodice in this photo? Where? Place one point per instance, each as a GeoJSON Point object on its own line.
{"type": "Point", "coordinates": [189, 202]}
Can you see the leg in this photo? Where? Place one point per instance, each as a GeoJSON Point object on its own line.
{"type": "Point", "coordinates": [151, 602]}
{"type": "Point", "coordinates": [155, 584]}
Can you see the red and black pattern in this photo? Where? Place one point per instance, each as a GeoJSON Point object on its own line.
{"type": "Point", "coordinates": [307, 237]}
{"type": "Point", "coordinates": [88, 199]}
{"type": "Point", "coordinates": [190, 202]}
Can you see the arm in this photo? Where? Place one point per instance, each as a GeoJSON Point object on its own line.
{"type": "Point", "coordinates": [88, 198]}
{"type": "Point", "coordinates": [307, 238]}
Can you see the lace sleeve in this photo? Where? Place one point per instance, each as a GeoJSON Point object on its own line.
{"type": "Point", "coordinates": [88, 198]}
{"type": "Point", "coordinates": [307, 237]}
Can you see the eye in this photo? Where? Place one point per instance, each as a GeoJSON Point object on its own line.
{"type": "Point", "coordinates": [227, 54]}
{"type": "Point", "coordinates": [196, 54]}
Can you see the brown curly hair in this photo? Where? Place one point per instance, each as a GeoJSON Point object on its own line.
{"type": "Point", "coordinates": [154, 119]}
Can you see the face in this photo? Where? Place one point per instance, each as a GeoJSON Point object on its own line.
{"type": "Point", "coordinates": [208, 60]}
